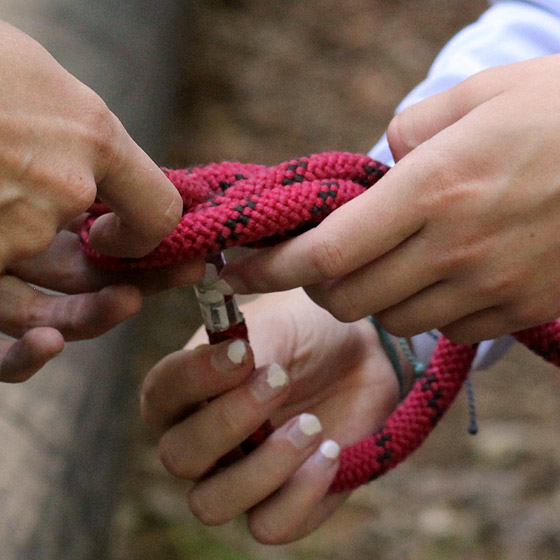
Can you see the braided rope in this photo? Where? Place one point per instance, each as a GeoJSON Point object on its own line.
{"type": "Point", "coordinates": [230, 204]}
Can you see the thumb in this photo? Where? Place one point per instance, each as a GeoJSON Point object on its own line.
{"type": "Point", "coordinates": [423, 120]}
{"type": "Point", "coordinates": [146, 206]}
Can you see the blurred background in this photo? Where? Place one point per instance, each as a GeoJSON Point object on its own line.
{"type": "Point", "coordinates": [264, 81]}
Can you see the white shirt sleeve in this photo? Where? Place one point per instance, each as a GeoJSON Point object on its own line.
{"type": "Point", "coordinates": [509, 31]}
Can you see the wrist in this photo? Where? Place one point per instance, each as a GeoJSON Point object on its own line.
{"type": "Point", "coordinates": [400, 353]}
{"type": "Point", "coordinates": [408, 375]}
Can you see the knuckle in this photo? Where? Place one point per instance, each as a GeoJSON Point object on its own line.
{"type": "Point", "coordinates": [206, 508]}
{"type": "Point", "coordinates": [396, 324]}
{"type": "Point", "coordinates": [149, 398]}
{"type": "Point", "coordinates": [533, 311]}
{"type": "Point", "coordinates": [345, 306]}
{"type": "Point", "coordinates": [35, 240]}
{"type": "Point", "coordinates": [460, 333]}
{"type": "Point", "coordinates": [146, 411]}
{"type": "Point", "coordinates": [454, 260]}
{"type": "Point", "coordinates": [467, 93]}
{"type": "Point", "coordinates": [28, 317]}
{"type": "Point", "coordinates": [81, 196]}
{"type": "Point", "coordinates": [185, 461]}
{"type": "Point", "coordinates": [178, 466]}
{"type": "Point", "coordinates": [447, 195]}
{"type": "Point", "coordinates": [269, 534]}
{"type": "Point", "coordinates": [168, 215]}
{"type": "Point", "coordinates": [42, 239]}
{"type": "Point", "coordinates": [400, 133]}
{"type": "Point", "coordinates": [228, 418]}
{"type": "Point", "coordinates": [463, 256]}
{"type": "Point", "coordinates": [327, 256]}
{"type": "Point", "coordinates": [104, 130]}
{"type": "Point", "coordinates": [496, 287]}
{"type": "Point", "coordinates": [451, 195]}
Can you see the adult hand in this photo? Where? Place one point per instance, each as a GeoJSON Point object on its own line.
{"type": "Point", "coordinates": [205, 401]}
{"type": "Point", "coordinates": [90, 302]}
{"type": "Point", "coordinates": [461, 235]}
{"type": "Point", "coordinates": [60, 148]}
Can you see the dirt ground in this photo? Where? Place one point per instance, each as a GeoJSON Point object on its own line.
{"type": "Point", "coordinates": [266, 81]}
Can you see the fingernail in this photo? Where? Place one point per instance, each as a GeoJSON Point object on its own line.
{"type": "Point", "coordinates": [302, 433]}
{"type": "Point", "coordinates": [223, 287]}
{"type": "Point", "coordinates": [269, 383]}
{"type": "Point", "coordinates": [210, 275]}
{"type": "Point", "coordinates": [231, 283]}
{"type": "Point", "coordinates": [224, 358]}
{"type": "Point", "coordinates": [328, 453]}
{"type": "Point", "coordinates": [212, 281]}
{"type": "Point", "coordinates": [237, 351]}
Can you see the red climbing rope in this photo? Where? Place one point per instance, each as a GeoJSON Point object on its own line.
{"type": "Point", "coordinates": [230, 204]}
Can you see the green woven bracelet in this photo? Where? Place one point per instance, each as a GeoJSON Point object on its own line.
{"type": "Point", "coordinates": [391, 352]}
{"type": "Point", "coordinates": [419, 367]}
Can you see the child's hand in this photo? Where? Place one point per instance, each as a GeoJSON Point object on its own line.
{"type": "Point", "coordinates": [335, 371]}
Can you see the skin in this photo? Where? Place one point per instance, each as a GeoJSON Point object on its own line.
{"type": "Point", "coordinates": [202, 405]}
{"type": "Point", "coordinates": [89, 301]}
{"type": "Point", "coordinates": [461, 235]}
{"type": "Point", "coordinates": [60, 149]}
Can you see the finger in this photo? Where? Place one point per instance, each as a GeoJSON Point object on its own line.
{"type": "Point", "coordinates": [77, 317]}
{"type": "Point", "coordinates": [184, 379]}
{"type": "Point", "coordinates": [423, 120]}
{"type": "Point", "coordinates": [384, 216]}
{"type": "Point", "coordinates": [433, 308]}
{"type": "Point", "coordinates": [147, 206]}
{"type": "Point", "coordinates": [65, 268]}
{"type": "Point", "coordinates": [302, 504]}
{"type": "Point", "coordinates": [234, 490]}
{"type": "Point", "coordinates": [75, 225]}
{"type": "Point", "coordinates": [19, 360]}
{"type": "Point", "coordinates": [486, 324]}
{"type": "Point", "coordinates": [191, 448]}
{"type": "Point", "coordinates": [381, 284]}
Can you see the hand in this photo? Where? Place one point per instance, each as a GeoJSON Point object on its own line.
{"type": "Point", "coordinates": [60, 148]}
{"type": "Point", "coordinates": [91, 302]}
{"type": "Point", "coordinates": [461, 235]}
{"type": "Point", "coordinates": [204, 405]}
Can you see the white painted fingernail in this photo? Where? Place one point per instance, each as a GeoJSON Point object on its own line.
{"type": "Point", "coordinates": [226, 358]}
{"type": "Point", "coordinates": [302, 433]}
{"type": "Point", "coordinates": [309, 424]}
{"type": "Point", "coordinates": [330, 449]}
{"type": "Point", "coordinates": [237, 351]}
{"type": "Point", "coordinates": [276, 376]}
{"type": "Point", "coordinates": [269, 383]}
{"type": "Point", "coordinates": [328, 453]}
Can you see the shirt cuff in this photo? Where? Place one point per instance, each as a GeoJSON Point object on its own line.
{"type": "Point", "coordinates": [488, 351]}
